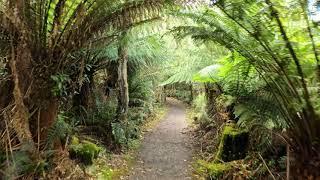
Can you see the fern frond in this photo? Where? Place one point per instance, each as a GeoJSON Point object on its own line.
{"type": "Point", "coordinates": [58, 131]}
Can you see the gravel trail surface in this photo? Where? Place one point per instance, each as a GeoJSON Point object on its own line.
{"type": "Point", "coordinates": [166, 151]}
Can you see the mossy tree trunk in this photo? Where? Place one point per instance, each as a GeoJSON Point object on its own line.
{"type": "Point", "coordinates": [212, 91]}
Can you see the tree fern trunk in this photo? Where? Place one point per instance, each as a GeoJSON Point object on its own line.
{"type": "Point", "coordinates": [48, 116]}
{"type": "Point", "coordinates": [85, 98]}
{"type": "Point", "coordinates": [212, 91]}
{"type": "Point", "coordinates": [123, 88]}
{"type": "Point", "coordinates": [123, 96]}
{"type": "Point", "coordinates": [19, 116]}
{"type": "Point", "coordinates": [306, 170]}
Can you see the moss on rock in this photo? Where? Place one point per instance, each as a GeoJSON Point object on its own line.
{"type": "Point", "coordinates": [233, 144]}
{"type": "Point", "coordinates": [84, 151]}
{"type": "Point", "coordinates": [213, 170]}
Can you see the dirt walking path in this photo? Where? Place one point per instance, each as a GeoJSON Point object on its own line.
{"type": "Point", "coordinates": [166, 151]}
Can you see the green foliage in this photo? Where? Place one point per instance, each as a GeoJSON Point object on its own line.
{"type": "Point", "coordinates": [136, 118]}
{"type": "Point", "coordinates": [208, 74]}
{"type": "Point", "coordinates": [213, 171]}
{"type": "Point", "coordinates": [277, 60]}
{"type": "Point", "coordinates": [180, 91]}
{"type": "Point", "coordinates": [141, 91]}
{"type": "Point", "coordinates": [84, 151]}
{"type": "Point", "coordinates": [59, 131]}
{"type": "Point", "coordinates": [119, 133]}
{"type": "Point", "coordinates": [102, 115]}
{"type": "Point", "coordinates": [189, 59]}
{"type": "Point", "coordinates": [19, 163]}
{"type": "Point", "coordinates": [106, 174]}
{"type": "Point", "coordinates": [183, 95]}
{"type": "Point", "coordinates": [263, 54]}
{"type": "Point", "coordinates": [60, 84]}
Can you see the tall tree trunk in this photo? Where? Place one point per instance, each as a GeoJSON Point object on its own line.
{"type": "Point", "coordinates": [123, 97]}
{"type": "Point", "coordinates": [20, 61]}
{"type": "Point", "coordinates": [31, 93]}
{"type": "Point", "coordinates": [123, 94]}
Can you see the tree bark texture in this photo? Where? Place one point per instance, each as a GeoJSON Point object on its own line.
{"type": "Point", "coordinates": [29, 108]}
{"type": "Point", "coordinates": [20, 61]}
{"type": "Point", "coordinates": [212, 91]}
{"type": "Point", "coordinates": [123, 96]}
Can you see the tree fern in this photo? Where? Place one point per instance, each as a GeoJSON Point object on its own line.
{"type": "Point", "coordinates": [271, 45]}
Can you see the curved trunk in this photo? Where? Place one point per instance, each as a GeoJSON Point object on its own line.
{"type": "Point", "coordinates": [19, 62]}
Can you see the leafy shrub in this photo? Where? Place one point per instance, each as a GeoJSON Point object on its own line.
{"type": "Point", "coordinates": [20, 163]}
{"type": "Point", "coordinates": [183, 95]}
{"type": "Point", "coordinates": [84, 151]}
{"type": "Point", "coordinates": [61, 81]}
{"type": "Point", "coordinates": [103, 114]}
{"type": "Point", "coordinates": [119, 133]}
{"type": "Point", "coordinates": [138, 115]}
{"type": "Point", "coordinates": [141, 91]}
{"type": "Point", "coordinates": [60, 129]}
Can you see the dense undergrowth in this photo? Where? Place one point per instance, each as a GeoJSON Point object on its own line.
{"type": "Point", "coordinates": [224, 151]}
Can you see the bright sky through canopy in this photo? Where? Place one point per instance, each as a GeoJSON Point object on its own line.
{"type": "Point", "coordinates": [314, 9]}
